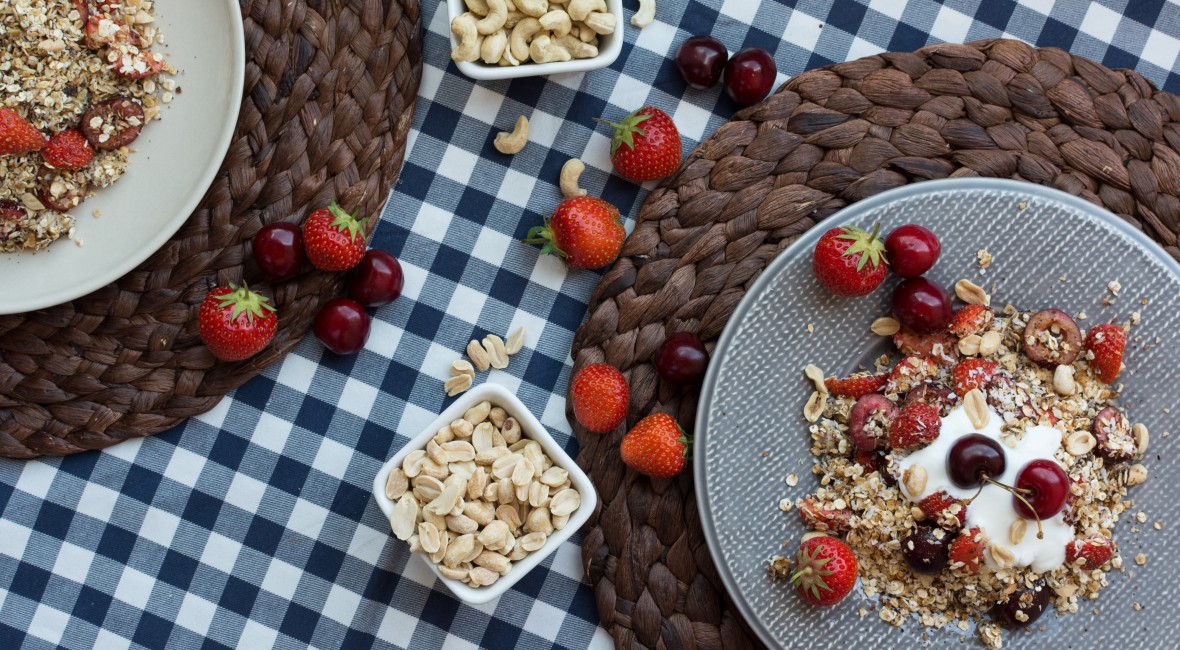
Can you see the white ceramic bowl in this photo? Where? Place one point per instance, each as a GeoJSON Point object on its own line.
{"type": "Point", "coordinates": [531, 428]}
{"type": "Point", "coordinates": [609, 46]}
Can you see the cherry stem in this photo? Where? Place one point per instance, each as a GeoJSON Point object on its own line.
{"type": "Point", "coordinates": [1016, 492]}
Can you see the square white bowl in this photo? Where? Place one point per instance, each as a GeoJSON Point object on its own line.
{"type": "Point", "coordinates": [609, 47]}
{"type": "Point", "coordinates": [531, 428]}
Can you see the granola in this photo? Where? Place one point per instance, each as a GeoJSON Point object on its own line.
{"type": "Point", "coordinates": [868, 486]}
{"type": "Point", "coordinates": [59, 59]}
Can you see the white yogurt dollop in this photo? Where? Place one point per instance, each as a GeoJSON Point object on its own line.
{"type": "Point", "coordinates": [993, 511]}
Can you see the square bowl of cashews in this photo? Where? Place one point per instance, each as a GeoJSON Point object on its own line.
{"type": "Point", "coordinates": [483, 494]}
{"type": "Point", "coordinates": [506, 39]}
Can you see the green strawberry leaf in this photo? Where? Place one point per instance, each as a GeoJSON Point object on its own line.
{"type": "Point", "coordinates": [625, 131]}
{"type": "Point", "coordinates": [868, 246]}
{"type": "Point", "coordinates": [344, 221]}
{"type": "Point", "coordinates": [243, 300]}
{"type": "Point", "coordinates": [543, 235]}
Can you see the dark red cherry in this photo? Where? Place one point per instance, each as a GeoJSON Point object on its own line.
{"type": "Point", "coordinates": [973, 457]}
{"type": "Point", "coordinates": [342, 326]}
{"type": "Point", "coordinates": [1030, 602]}
{"type": "Point", "coordinates": [922, 306]}
{"type": "Point", "coordinates": [701, 60]}
{"type": "Point", "coordinates": [912, 250]}
{"type": "Point", "coordinates": [926, 549]}
{"type": "Point", "coordinates": [682, 358]}
{"type": "Point", "coordinates": [278, 249]}
{"type": "Point", "coordinates": [1044, 485]}
{"type": "Point", "coordinates": [377, 280]}
{"type": "Point", "coordinates": [750, 75]}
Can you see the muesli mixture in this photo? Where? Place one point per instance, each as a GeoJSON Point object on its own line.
{"type": "Point", "coordinates": [978, 479]}
{"type": "Point", "coordinates": [78, 81]}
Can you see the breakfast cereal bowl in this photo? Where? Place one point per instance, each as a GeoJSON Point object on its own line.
{"type": "Point", "coordinates": [609, 46]}
{"type": "Point", "coordinates": [564, 473]}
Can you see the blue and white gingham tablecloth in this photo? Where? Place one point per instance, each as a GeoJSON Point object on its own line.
{"type": "Point", "coordinates": [252, 526]}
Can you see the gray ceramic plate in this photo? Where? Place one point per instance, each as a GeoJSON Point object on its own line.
{"type": "Point", "coordinates": [751, 434]}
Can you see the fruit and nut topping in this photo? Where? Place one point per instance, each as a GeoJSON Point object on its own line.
{"type": "Point", "coordinates": [480, 497]}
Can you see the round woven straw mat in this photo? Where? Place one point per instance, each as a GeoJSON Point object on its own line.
{"type": "Point", "coordinates": [825, 139]}
{"type": "Point", "coordinates": [329, 99]}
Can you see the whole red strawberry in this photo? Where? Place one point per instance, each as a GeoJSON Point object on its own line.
{"type": "Point", "coordinates": [645, 145]}
{"type": "Point", "coordinates": [599, 395]}
{"type": "Point", "coordinates": [655, 446]}
{"type": "Point", "coordinates": [1106, 343]}
{"type": "Point", "coordinates": [825, 570]}
{"type": "Point", "coordinates": [856, 386]}
{"type": "Point", "coordinates": [584, 231]}
{"type": "Point", "coordinates": [945, 510]}
{"type": "Point", "coordinates": [17, 135]}
{"type": "Point", "coordinates": [1093, 551]}
{"type": "Point", "coordinates": [916, 424]}
{"type": "Point", "coordinates": [971, 319]}
{"type": "Point", "coordinates": [967, 549]}
{"type": "Point", "coordinates": [235, 323]}
{"type": "Point", "coordinates": [333, 239]}
{"type": "Point", "coordinates": [849, 261]}
{"type": "Point", "coordinates": [68, 150]}
{"type": "Point", "coordinates": [972, 373]}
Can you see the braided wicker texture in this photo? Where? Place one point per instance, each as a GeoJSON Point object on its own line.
{"type": "Point", "coordinates": [827, 138]}
{"type": "Point", "coordinates": [328, 102]}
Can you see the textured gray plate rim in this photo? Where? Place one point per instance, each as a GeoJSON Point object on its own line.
{"type": "Point", "coordinates": [873, 627]}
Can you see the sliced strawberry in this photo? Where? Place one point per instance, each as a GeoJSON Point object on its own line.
{"type": "Point", "coordinates": [68, 149]}
{"type": "Point", "coordinates": [971, 319]}
{"type": "Point", "coordinates": [909, 373]}
{"type": "Point", "coordinates": [856, 386]}
{"type": "Point", "coordinates": [967, 550]}
{"type": "Point", "coordinates": [133, 63]}
{"type": "Point", "coordinates": [916, 424]}
{"type": "Point", "coordinates": [939, 346]}
{"type": "Point", "coordinates": [972, 373]}
{"type": "Point", "coordinates": [11, 210]}
{"type": "Point", "coordinates": [819, 516]}
{"type": "Point", "coordinates": [945, 510]}
{"type": "Point", "coordinates": [1106, 344]}
{"type": "Point", "coordinates": [1093, 552]}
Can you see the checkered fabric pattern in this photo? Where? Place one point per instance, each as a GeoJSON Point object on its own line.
{"type": "Point", "coordinates": [252, 526]}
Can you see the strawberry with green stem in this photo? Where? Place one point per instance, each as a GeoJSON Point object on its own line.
{"type": "Point", "coordinates": [236, 323]}
{"type": "Point", "coordinates": [849, 261]}
{"type": "Point", "coordinates": [656, 446]}
{"type": "Point", "coordinates": [825, 570]}
{"type": "Point", "coordinates": [645, 145]}
{"type": "Point", "coordinates": [584, 231]}
{"type": "Point", "coordinates": [333, 239]}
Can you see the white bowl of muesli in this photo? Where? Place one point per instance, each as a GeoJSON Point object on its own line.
{"type": "Point", "coordinates": [1003, 477]}
{"type": "Point", "coordinates": [124, 111]}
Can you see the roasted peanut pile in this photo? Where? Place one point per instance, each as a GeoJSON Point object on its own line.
{"type": "Point", "coordinates": [865, 504]}
{"type": "Point", "coordinates": [480, 497]}
{"type": "Point", "coordinates": [49, 76]}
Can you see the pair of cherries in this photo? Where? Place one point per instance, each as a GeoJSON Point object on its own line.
{"type": "Point", "coordinates": [1040, 489]}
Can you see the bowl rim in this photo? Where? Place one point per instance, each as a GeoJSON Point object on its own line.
{"type": "Point", "coordinates": [500, 396]}
{"type": "Point", "coordinates": [482, 72]}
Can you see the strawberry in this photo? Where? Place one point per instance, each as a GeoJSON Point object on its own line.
{"type": "Point", "coordinates": [1106, 344]}
{"type": "Point", "coordinates": [17, 135]}
{"type": "Point", "coordinates": [655, 446]}
{"type": "Point", "coordinates": [1093, 552]}
{"type": "Point", "coordinates": [909, 373]}
{"type": "Point", "coordinates": [645, 145]}
{"type": "Point", "coordinates": [856, 386]}
{"type": "Point", "coordinates": [822, 517]}
{"type": "Point", "coordinates": [334, 239]}
{"type": "Point", "coordinates": [938, 346]}
{"type": "Point", "coordinates": [825, 570]}
{"type": "Point", "coordinates": [916, 424]}
{"type": "Point", "coordinates": [83, 7]}
{"type": "Point", "coordinates": [584, 231]}
{"type": "Point", "coordinates": [971, 319]}
{"type": "Point", "coordinates": [849, 261]}
{"type": "Point", "coordinates": [68, 150]}
{"type": "Point", "coordinates": [11, 210]}
{"type": "Point", "coordinates": [599, 395]}
{"type": "Point", "coordinates": [972, 373]}
{"type": "Point", "coordinates": [967, 549]}
{"type": "Point", "coordinates": [133, 63]}
{"type": "Point", "coordinates": [235, 323]}
{"type": "Point", "coordinates": [945, 510]}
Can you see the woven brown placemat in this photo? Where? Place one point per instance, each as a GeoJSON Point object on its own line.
{"type": "Point", "coordinates": [328, 102]}
{"type": "Point", "coordinates": [827, 138]}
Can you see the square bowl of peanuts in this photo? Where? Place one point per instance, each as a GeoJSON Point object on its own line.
{"type": "Point", "coordinates": [484, 494]}
{"type": "Point", "coordinates": [506, 39]}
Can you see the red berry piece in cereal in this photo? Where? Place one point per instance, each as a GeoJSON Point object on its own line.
{"type": "Point", "coordinates": [1052, 338]}
{"type": "Point", "coordinates": [969, 374]}
{"type": "Point", "coordinates": [1106, 343]}
{"type": "Point", "coordinates": [971, 319]}
{"type": "Point", "coordinates": [1112, 431]}
{"type": "Point", "coordinates": [825, 517]}
{"type": "Point", "coordinates": [113, 123]}
{"type": "Point", "coordinates": [856, 386]}
{"type": "Point", "coordinates": [916, 424]}
{"type": "Point", "coordinates": [1089, 553]}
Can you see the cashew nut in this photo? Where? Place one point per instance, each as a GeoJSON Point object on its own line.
{"type": "Point", "coordinates": [601, 23]}
{"type": "Point", "coordinates": [646, 13]}
{"type": "Point", "coordinates": [493, 47]}
{"type": "Point", "coordinates": [579, 9]}
{"type": "Point", "coordinates": [508, 58]}
{"type": "Point", "coordinates": [521, 36]}
{"type": "Point", "coordinates": [534, 8]}
{"type": "Point", "coordinates": [556, 21]}
{"type": "Point", "coordinates": [464, 29]}
{"type": "Point", "coordinates": [571, 171]}
{"type": "Point", "coordinates": [587, 35]}
{"type": "Point", "coordinates": [544, 50]}
{"type": "Point", "coordinates": [477, 7]}
{"type": "Point", "coordinates": [494, 21]}
{"type": "Point", "coordinates": [577, 48]}
{"type": "Point", "coordinates": [514, 17]}
{"type": "Point", "coordinates": [510, 143]}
